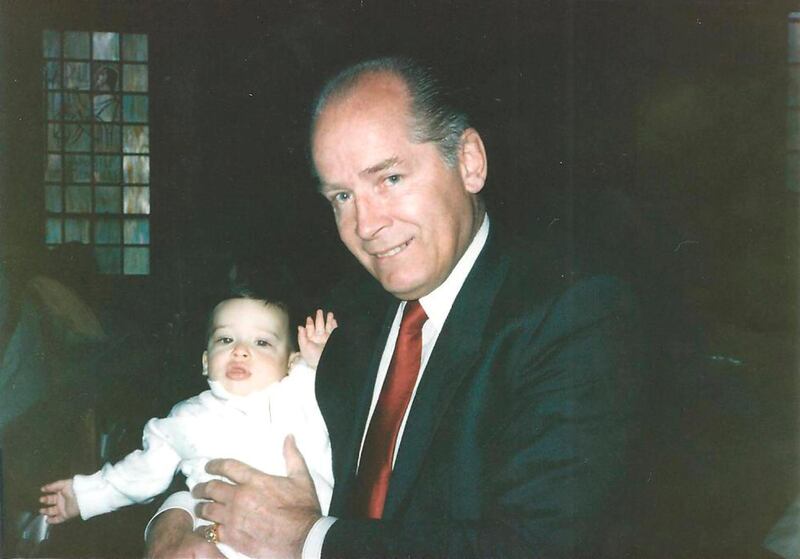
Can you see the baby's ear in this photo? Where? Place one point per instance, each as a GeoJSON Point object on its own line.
{"type": "Point", "coordinates": [294, 357]}
{"type": "Point", "coordinates": [205, 363]}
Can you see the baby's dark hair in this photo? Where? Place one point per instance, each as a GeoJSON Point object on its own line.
{"type": "Point", "coordinates": [273, 285]}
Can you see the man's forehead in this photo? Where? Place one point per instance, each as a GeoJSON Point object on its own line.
{"type": "Point", "coordinates": [369, 97]}
{"type": "Point", "coordinates": [384, 85]}
{"type": "Point", "coordinates": [378, 150]}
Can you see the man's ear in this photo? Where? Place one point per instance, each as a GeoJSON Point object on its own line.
{"type": "Point", "coordinates": [205, 363]}
{"type": "Point", "coordinates": [472, 161]}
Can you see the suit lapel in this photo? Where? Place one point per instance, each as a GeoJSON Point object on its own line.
{"type": "Point", "coordinates": [345, 384]}
{"type": "Point", "coordinates": [456, 349]}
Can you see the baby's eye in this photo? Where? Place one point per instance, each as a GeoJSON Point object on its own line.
{"type": "Point", "coordinates": [224, 340]}
{"type": "Point", "coordinates": [262, 343]}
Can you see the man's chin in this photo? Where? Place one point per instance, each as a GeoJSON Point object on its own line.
{"type": "Point", "coordinates": [403, 288]}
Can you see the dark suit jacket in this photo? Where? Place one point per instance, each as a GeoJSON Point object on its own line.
{"type": "Point", "coordinates": [518, 441]}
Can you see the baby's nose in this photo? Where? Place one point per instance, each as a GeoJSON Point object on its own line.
{"type": "Point", "coordinates": [241, 350]}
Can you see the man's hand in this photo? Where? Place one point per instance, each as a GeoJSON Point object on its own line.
{"type": "Point", "coordinates": [261, 515]}
{"type": "Point", "coordinates": [170, 536]}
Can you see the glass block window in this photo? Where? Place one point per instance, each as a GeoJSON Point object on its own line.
{"type": "Point", "coordinates": [793, 104]}
{"type": "Point", "coordinates": [97, 143]}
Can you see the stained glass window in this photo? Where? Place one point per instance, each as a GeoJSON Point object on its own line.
{"type": "Point", "coordinates": [97, 141]}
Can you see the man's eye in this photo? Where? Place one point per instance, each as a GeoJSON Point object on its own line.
{"type": "Point", "coordinates": [340, 197]}
{"type": "Point", "coordinates": [391, 180]}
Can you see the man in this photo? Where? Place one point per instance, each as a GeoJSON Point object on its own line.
{"type": "Point", "coordinates": [513, 435]}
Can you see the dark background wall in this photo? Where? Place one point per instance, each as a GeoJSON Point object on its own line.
{"type": "Point", "coordinates": [650, 136]}
{"type": "Point", "coordinates": [672, 114]}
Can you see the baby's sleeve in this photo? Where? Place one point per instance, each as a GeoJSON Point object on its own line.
{"type": "Point", "coordinates": [304, 419]}
{"type": "Point", "coordinates": [137, 478]}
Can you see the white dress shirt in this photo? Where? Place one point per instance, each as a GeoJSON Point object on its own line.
{"type": "Point", "coordinates": [437, 306]}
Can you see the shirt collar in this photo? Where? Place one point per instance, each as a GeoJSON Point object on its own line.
{"type": "Point", "coordinates": [437, 303]}
{"type": "Point", "coordinates": [253, 402]}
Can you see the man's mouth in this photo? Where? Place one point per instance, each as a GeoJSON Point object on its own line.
{"type": "Point", "coordinates": [392, 251]}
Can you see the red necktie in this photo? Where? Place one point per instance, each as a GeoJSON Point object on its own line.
{"type": "Point", "coordinates": [375, 468]}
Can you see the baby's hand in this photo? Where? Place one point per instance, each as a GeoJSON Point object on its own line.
{"type": "Point", "coordinates": [312, 337]}
{"type": "Point", "coordinates": [59, 501]}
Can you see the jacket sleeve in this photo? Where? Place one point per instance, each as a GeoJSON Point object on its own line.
{"type": "Point", "coordinates": [137, 478]}
{"type": "Point", "coordinates": [556, 468]}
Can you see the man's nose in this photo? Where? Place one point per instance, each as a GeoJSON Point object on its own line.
{"type": "Point", "coordinates": [371, 217]}
{"type": "Point", "coordinates": [241, 350]}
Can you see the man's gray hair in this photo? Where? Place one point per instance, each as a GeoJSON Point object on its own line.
{"type": "Point", "coordinates": [434, 118]}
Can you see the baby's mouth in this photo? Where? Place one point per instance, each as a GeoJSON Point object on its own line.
{"type": "Point", "coordinates": [237, 372]}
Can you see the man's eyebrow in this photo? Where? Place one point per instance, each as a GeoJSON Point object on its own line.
{"type": "Point", "coordinates": [382, 166]}
{"type": "Point", "coordinates": [324, 188]}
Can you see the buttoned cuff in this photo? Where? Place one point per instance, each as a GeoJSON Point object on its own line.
{"type": "Point", "coordinates": [180, 500]}
{"type": "Point", "coordinates": [312, 547]}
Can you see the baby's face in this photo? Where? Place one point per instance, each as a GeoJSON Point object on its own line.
{"type": "Point", "coordinates": [248, 348]}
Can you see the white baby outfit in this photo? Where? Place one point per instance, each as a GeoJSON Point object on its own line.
{"type": "Point", "coordinates": [217, 424]}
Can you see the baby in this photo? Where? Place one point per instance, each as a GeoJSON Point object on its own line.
{"type": "Point", "coordinates": [261, 390]}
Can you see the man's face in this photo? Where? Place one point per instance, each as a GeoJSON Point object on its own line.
{"type": "Point", "coordinates": [248, 347]}
{"type": "Point", "coordinates": [402, 212]}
